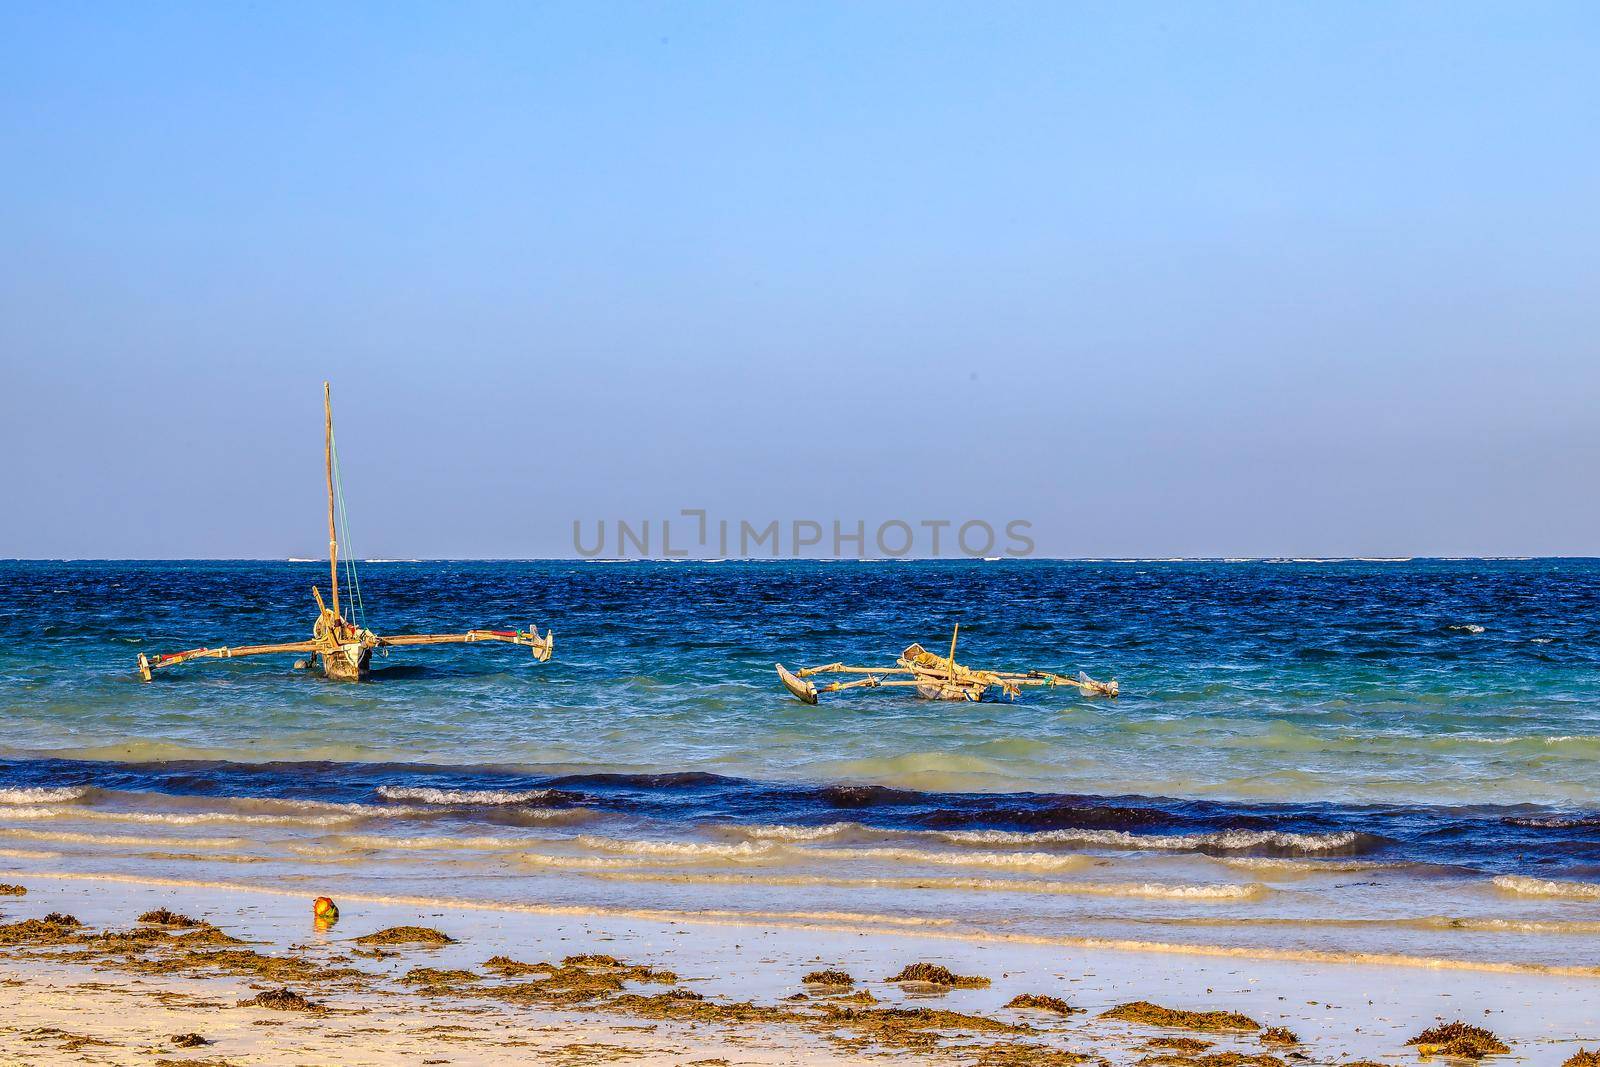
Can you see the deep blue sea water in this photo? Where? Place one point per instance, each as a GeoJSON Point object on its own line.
{"type": "Point", "coordinates": [1282, 725]}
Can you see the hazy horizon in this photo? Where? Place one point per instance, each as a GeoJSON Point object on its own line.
{"type": "Point", "coordinates": [1164, 281]}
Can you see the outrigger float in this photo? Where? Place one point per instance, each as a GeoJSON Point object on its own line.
{"type": "Point", "coordinates": [343, 649]}
{"type": "Point", "coordinates": [936, 677]}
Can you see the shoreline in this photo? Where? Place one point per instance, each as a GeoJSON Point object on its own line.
{"type": "Point", "coordinates": [844, 923]}
{"type": "Point", "coordinates": [1352, 1010]}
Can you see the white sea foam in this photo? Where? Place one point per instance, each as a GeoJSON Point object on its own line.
{"type": "Point", "coordinates": [180, 818]}
{"type": "Point", "coordinates": [1467, 628]}
{"type": "Point", "coordinates": [1522, 885]}
{"type": "Point", "coordinates": [1303, 866]}
{"type": "Point", "coordinates": [800, 833]}
{"type": "Point", "coordinates": [678, 849]}
{"type": "Point", "coordinates": [1139, 890]}
{"type": "Point", "coordinates": [1221, 841]}
{"type": "Point", "coordinates": [42, 795]}
{"type": "Point", "coordinates": [487, 797]}
{"type": "Point", "coordinates": [1029, 861]}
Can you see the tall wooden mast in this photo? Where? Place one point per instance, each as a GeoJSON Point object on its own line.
{"type": "Point", "coordinates": [327, 455]}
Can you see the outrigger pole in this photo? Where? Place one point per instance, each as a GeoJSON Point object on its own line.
{"type": "Point", "coordinates": [344, 649]}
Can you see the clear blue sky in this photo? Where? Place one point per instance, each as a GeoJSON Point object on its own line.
{"type": "Point", "coordinates": [1166, 279]}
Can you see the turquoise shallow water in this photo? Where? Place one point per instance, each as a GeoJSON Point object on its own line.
{"type": "Point", "coordinates": [1421, 681]}
{"type": "Point", "coordinates": [1352, 756]}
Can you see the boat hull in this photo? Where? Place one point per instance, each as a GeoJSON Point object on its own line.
{"type": "Point", "coordinates": [349, 664]}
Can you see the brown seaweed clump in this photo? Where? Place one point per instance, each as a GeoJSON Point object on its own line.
{"type": "Point", "coordinates": [1583, 1058]}
{"type": "Point", "coordinates": [432, 978]}
{"type": "Point", "coordinates": [53, 929]}
{"type": "Point", "coordinates": [934, 974]}
{"type": "Point", "coordinates": [1142, 1011]}
{"type": "Point", "coordinates": [407, 935]}
{"type": "Point", "coordinates": [9, 890]}
{"type": "Point", "coordinates": [246, 963]}
{"type": "Point", "coordinates": [1041, 1002]}
{"type": "Point", "coordinates": [916, 1029]}
{"type": "Point", "coordinates": [1279, 1035]}
{"type": "Point", "coordinates": [188, 1040]}
{"type": "Point", "coordinates": [836, 979]}
{"type": "Point", "coordinates": [1213, 1059]}
{"type": "Point", "coordinates": [1459, 1039]}
{"type": "Point", "coordinates": [163, 917]}
{"type": "Point", "coordinates": [1024, 1054]}
{"type": "Point", "coordinates": [281, 1000]}
{"type": "Point", "coordinates": [1178, 1044]}
{"type": "Point", "coordinates": [506, 967]}
{"type": "Point", "coordinates": [633, 972]}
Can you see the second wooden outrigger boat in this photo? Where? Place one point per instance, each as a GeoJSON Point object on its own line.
{"type": "Point", "coordinates": [936, 677]}
{"type": "Point", "coordinates": [343, 649]}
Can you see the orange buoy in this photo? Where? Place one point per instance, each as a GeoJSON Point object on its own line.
{"type": "Point", "coordinates": [325, 911]}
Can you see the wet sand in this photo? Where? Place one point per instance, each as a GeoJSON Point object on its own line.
{"type": "Point", "coordinates": [687, 988]}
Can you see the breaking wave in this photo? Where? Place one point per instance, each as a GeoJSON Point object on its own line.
{"type": "Point", "coordinates": [1522, 885]}
{"type": "Point", "coordinates": [1222, 841]}
{"type": "Point", "coordinates": [42, 795]}
{"type": "Point", "coordinates": [472, 797]}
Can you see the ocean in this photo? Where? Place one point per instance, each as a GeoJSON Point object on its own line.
{"type": "Point", "coordinates": [1344, 759]}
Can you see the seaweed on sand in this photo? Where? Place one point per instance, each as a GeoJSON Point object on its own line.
{"type": "Point", "coordinates": [407, 935]}
{"type": "Point", "coordinates": [1459, 1039]}
{"type": "Point", "coordinates": [632, 972]}
{"type": "Point", "coordinates": [1279, 1035]}
{"type": "Point", "coordinates": [281, 1000]}
{"type": "Point", "coordinates": [53, 929]}
{"type": "Point", "coordinates": [1213, 1059]}
{"type": "Point", "coordinates": [1142, 1011]}
{"type": "Point", "coordinates": [506, 967]}
{"type": "Point", "coordinates": [934, 974]}
{"type": "Point", "coordinates": [836, 979]}
{"type": "Point", "coordinates": [9, 890]}
{"type": "Point", "coordinates": [247, 963]}
{"type": "Point", "coordinates": [188, 1040]}
{"type": "Point", "coordinates": [431, 978]}
{"type": "Point", "coordinates": [1583, 1058]}
{"type": "Point", "coordinates": [1178, 1044]}
{"type": "Point", "coordinates": [164, 917]}
{"type": "Point", "coordinates": [1024, 1054]}
{"type": "Point", "coordinates": [1041, 1002]}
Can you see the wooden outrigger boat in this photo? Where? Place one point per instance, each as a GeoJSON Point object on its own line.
{"type": "Point", "coordinates": [342, 648]}
{"type": "Point", "coordinates": [936, 677]}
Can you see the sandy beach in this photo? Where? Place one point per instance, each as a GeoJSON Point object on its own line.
{"type": "Point", "coordinates": [688, 988]}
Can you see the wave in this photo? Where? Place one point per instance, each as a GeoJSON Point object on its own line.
{"type": "Point", "coordinates": [472, 797]}
{"type": "Point", "coordinates": [1035, 861]}
{"type": "Point", "coordinates": [124, 840]}
{"type": "Point", "coordinates": [679, 849]}
{"type": "Point", "coordinates": [1467, 628]}
{"type": "Point", "coordinates": [1522, 885]}
{"type": "Point", "coordinates": [1307, 866]}
{"type": "Point", "coordinates": [1218, 841]}
{"type": "Point", "coordinates": [1145, 890]}
{"type": "Point", "coordinates": [21, 795]}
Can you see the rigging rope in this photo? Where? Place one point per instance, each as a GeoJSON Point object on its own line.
{"type": "Point", "coordinates": [352, 579]}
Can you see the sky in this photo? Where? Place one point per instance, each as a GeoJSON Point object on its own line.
{"type": "Point", "coordinates": [1158, 279]}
